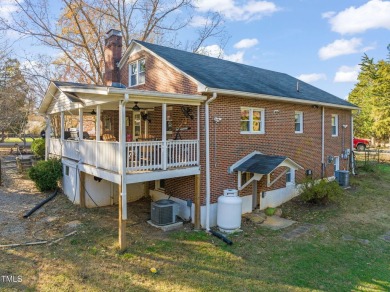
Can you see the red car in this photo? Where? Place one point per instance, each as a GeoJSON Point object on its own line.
{"type": "Point", "coordinates": [360, 144]}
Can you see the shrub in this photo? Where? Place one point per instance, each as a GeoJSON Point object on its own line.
{"type": "Point", "coordinates": [270, 211]}
{"type": "Point", "coordinates": [320, 192]}
{"type": "Point", "coordinates": [46, 174]}
{"type": "Point", "coordinates": [38, 147]}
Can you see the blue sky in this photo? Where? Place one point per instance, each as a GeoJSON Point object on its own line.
{"type": "Point", "coordinates": [320, 42]}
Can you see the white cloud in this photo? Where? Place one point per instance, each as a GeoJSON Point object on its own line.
{"type": "Point", "coordinates": [237, 57]}
{"type": "Point", "coordinates": [198, 21]}
{"type": "Point", "coordinates": [374, 14]}
{"type": "Point", "coordinates": [347, 74]}
{"type": "Point", "coordinates": [343, 47]}
{"type": "Point", "coordinates": [238, 11]}
{"type": "Point", "coordinates": [313, 77]}
{"type": "Point", "coordinates": [328, 14]}
{"type": "Point", "coordinates": [246, 43]}
{"type": "Point", "coordinates": [217, 52]}
{"type": "Point", "coordinates": [7, 7]}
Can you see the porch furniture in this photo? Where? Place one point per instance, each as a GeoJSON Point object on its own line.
{"type": "Point", "coordinates": [109, 137]}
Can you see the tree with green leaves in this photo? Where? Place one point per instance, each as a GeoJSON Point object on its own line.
{"type": "Point", "coordinates": [372, 95]}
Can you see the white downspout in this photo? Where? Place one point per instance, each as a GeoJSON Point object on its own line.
{"type": "Point", "coordinates": [122, 148]}
{"type": "Point", "coordinates": [323, 142]}
{"type": "Point", "coordinates": [207, 128]}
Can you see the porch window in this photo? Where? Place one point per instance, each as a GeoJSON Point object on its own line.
{"type": "Point", "coordinates": [137, 72]}
{"type": "Point", "coordinates": [335, 125]}
{"type": "Point", "coordinates": [252, 120]}
{"type": "Point", "coordinates": [298, 122]}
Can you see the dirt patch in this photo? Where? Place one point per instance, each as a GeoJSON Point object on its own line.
{"type": "Point", "coordinates": [19, 195]}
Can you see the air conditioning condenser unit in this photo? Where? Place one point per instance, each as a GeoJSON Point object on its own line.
{"type": "Point", "coordinates": [164, 212]}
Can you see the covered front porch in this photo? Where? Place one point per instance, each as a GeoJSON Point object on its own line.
{"type": "Point", "coordinates": [140, 131]}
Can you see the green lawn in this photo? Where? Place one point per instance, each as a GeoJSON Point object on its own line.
{"type": "Point", "coordinates": [17, 140]}
{"type": "Point", "coordinates": [259, 259]}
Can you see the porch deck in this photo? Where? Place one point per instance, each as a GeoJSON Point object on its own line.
{"type": "Point", "coordinates": [141, 157]}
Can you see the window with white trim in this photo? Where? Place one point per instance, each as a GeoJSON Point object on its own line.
{"type": "Point", "coordinates": [298, 122]}
{"type": "Point", "coordinates": [137, 72]}
{"type": "Point", "coordinates": [335, 125]}
{"type": "Point", "coordinates": [252, 120]}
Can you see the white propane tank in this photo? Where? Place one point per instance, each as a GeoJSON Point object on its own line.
{"type": "Point", "coordinates": [229, 211]}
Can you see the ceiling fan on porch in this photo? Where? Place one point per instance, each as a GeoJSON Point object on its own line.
{"type": "Point", "coordinates": [136, 107]}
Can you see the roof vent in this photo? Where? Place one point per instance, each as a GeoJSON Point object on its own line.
{"type": "Point", "coordinates": [297, 86]}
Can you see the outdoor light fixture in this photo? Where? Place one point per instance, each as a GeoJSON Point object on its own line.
{"type": "Point", "coordinates": [93, 112]}
{"type": "Point", "coordinates": [314, 106]}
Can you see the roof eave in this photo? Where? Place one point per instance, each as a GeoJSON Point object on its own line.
{"type": "Point", "coordinates": [277, 98]}
{"type": "Point", "coordinates": [122, 62]}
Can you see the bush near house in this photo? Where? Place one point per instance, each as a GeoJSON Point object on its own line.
{"type": "Point", "coordinates": [38, 147]}
{"type": "Point", "coordinates": [320, 192]}
{"type": "Point", "coordinates": [46, 174]}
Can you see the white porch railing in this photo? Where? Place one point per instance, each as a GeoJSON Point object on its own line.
{"type": "Point", "coordinates": [144, 155]}
{"type": "Point", "coordinates": [182, 153]}
{"type": "Point", "coordinates": [55, 147]}
{"type": "Point", "coordinates": [140, 156]}
{"type": "Point", "coordinates": [107, 155]}
{"type": "Point", "coordinates": [88, 151]}
{"type": "Point", "coordinates": [70, 149]}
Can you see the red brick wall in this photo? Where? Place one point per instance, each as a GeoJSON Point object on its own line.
{"type": "Point", "coordinates": [158, 76]}
{"type": "Point", "coordinates": [279, 139]}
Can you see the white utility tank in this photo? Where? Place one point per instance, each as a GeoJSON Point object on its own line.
{"type": "Point", "coordinates": [229, 211]}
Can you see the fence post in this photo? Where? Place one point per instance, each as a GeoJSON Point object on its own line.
{"type": "Point", "coordinates": [0, 173]}
{"type": "Point", "coordinates": [378, 155]}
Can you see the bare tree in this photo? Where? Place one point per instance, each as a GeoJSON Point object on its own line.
{"type": "Point", "coordinates": [78, 33]}
{"type": "Point", "coordinates": [15, 104]}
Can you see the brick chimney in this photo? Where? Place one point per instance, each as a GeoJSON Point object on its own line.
{"type": "Point", "coordinates": [112, 56]}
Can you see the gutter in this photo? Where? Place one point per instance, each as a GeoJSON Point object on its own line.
{"type": "Point", "coordinates": [122, 146]}
{"type": "Point", "coordinates": [207, 129]}
{"type": "Point", "coordinates": [278, 98]}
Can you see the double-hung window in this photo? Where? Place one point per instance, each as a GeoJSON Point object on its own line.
{"type": "Point", "coordinates": [298, 122]}
{"type": "Point", "coordinates": [252, 120]}
{"type": "Point", "coordinates": [137, 72]}
{"type": "Point", "coordinates": [335, 125]}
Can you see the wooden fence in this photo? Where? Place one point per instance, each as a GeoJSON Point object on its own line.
{"type": "Point", "coordinates": [373, 156]}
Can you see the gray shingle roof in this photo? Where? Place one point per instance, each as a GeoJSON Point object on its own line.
{"type": "Point", "coordinates": [222, 74]}
{"type": "Point", "coordinates": [261, 163]}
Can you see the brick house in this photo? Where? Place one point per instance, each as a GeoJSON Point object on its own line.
{"type": "Point", "coordinates": [173, 123]}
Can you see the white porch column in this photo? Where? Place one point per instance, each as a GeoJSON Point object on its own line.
{"type": "Point", "coordinates": [62, 126]}
{"type": "Point", "coordinates": [47, 137]}
{"type": "Point", "coordinates": [122, 170]}
{"type": "Point", "coordinates": [164, 152]}
{"type": "Point", "coordinates": [97, 132]}
{"type": "Point", "coordinates": [198, 134]}
{"type": "Point", "coordinates": [98, 118]}
{"type": "Point", "coordinates": [81, 124]}
{"type": "Point", "coordinates": [122, 154]}
{"type": "Point", "coordinates": [62, 133]}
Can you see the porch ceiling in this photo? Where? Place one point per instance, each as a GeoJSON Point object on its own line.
{"type": "Point", "coordinates": [88, 96]}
